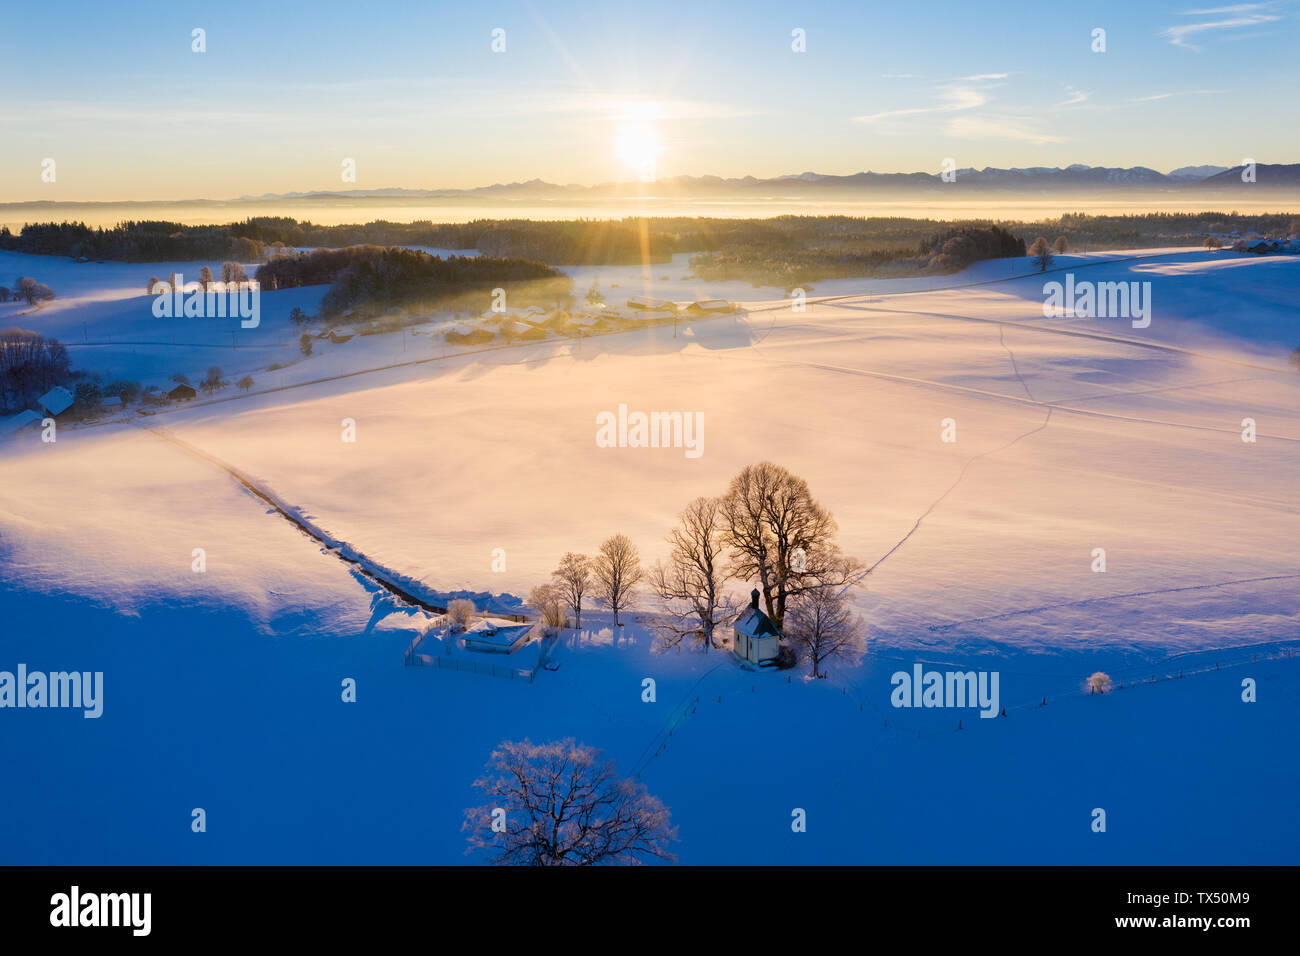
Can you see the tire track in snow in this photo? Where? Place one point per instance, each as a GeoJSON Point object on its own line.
{"type": "Point", "coordinates": [1002, 337]}
{"type": "Point", "coordinates": [1112, 597]}
{"type": "Point", "coordinates": [1086, 412]}
{"type": "Point", "coordinates": [960, 475]}
{"type": "Point", "coordinates": [1098, 336]}
{"type": "Point", "coordinates": [674, 718]}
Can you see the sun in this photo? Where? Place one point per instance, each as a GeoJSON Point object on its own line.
{"type": "Point", "coordinates": [638, 147]}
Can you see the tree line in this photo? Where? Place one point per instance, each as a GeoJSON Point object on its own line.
{"type": "Point", "coordinates": [369, 280]}
{"type": "Point", "coordinates": [837, 243]}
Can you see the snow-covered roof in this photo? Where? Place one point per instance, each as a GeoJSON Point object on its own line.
{"type": "Point", "coordinates": [645, 302]}
{"type": "Point", "coordinates": [712, 305]}
{"type": "Point", "coordinates": [14, 422]}
{"type": "Point", "coordinates": [56, 401]}
{"type": "Point", "coordinates": [755, 623]}
{"type": "Point", "coordinates": [495, 630]}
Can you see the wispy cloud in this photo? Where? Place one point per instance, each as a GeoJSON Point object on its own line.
{"type": "Point", "coordinates": [952, 99]}
{"type": "Point", "coordinates": [1164, 96]}
{"type": "Point", "coordinates": [1230, 18]}
{"type": "Point", "coordinates": [965, 93]}
{"type": "Point", "coordinates": [967, 96]}
{"type": "Point", "coordinates": [999, 127]}
{"type": "Point", "coordinates": [1073, 97]}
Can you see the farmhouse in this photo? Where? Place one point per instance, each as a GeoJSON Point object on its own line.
{"type": "Point", "coordinates": [710, 305]}
{"type": "Point", "coordinates": [643, 303]}
{"type": "Point", "coordinates": [755, 638]}
{"type": "Point", "coordinates": [181, 393]}
{"type": "Point", "coordinates": [22, 420]}
{"type": "Point", "coordinates": [56, 401]}
{"type": "Point", "coordinates": [495, 635]}
{"type": "Point", "coordinates": [714, 306]}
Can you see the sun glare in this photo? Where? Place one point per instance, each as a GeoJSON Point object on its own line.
{"type": "Point", "coordinates": [638, 148]}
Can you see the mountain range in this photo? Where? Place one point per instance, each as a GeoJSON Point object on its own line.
{"type": "Point", "coordinates": [1074, 179]}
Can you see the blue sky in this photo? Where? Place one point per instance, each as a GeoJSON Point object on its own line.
{"type": "Point", "coordinates": [414, 94]}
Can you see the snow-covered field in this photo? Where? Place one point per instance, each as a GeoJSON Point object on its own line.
{"type": "Point", "coordinates": [1071, 435]}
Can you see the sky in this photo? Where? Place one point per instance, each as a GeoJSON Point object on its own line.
{"type": "Point", "coordinates": [285, 93]}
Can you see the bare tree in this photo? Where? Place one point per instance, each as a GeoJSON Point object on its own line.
{"type": "Point", "coordinates": [690, 583]}
{"type": "Point", "coordinates": [822, 626]}
{"type": "Point", "coordinates": [548, 601]}
{"type": "Point", "coordinates": [573, 578]}
{"type": "Point", "coordinates": [780, 536]}
{"type": "Point", "coordinates": [205, 278]}
{"type": "Point", "coordinates": [29, 365]}
{"type": "Point", "coordinates": [1041, 251]}
{"type": "Point", "coordinates": [560, 804]}
{"type": "Point", "coordinates": [245, 383]}
{"type": "Point", "coordinates": [213, 381]}
{"type": "Point", "coordinates": [232, 272]}
{"type": "Point", "coordinates": [460, 612]}
{"type": "Point", "coordinates": [1061, 245]}
{"type": "Point", "coordinates": [617, 569]}
{"type": "Point", "coordinates": [33, 291]}
{"type": "Point", "coordinates": [1098, 683]}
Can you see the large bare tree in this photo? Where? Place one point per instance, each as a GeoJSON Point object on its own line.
{"type": "Point", "coordinates": [819, 623]}
{"type": "Point", "coordinates": [548, 602]}
{"type": "Point", "coordinates": [617, 569]}
{"type": "Point", "coordinates": [690, 582]}
{"type": "Point", "coordinates": [573, 579]}
{"type": "Point", "coordinates": [779, 536]}
{"type": "Point", "coordinates": [560, 804]}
